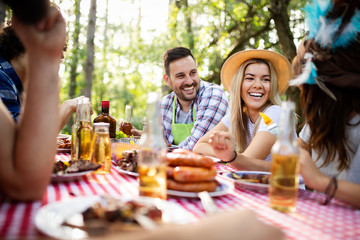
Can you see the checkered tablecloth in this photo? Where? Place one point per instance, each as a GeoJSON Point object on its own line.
{"type": "Point", "coordinates": [310, 221]}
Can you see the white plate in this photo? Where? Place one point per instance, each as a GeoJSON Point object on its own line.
{"type": "Point", "coordinates": [134, 174]}
{"type": "Point", "coordinates": [223, 189]}
{"type": "Point", "coordinates": [215, 159]}
{"type": "Point", "coordinates": [50, 217]}
{"type": "Point", "coordinates": [68, 176]}
{"type": "Point", "coordinates": [261, 187]}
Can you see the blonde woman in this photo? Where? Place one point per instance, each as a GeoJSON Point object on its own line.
{"type": "Point", "coordinates": [255, 79]}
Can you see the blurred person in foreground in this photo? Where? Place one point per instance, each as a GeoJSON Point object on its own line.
{"type": "Point", "coordinates": [238, 224]}
{"type": "Point", "coordinates": [13, 77]}
{"type": "Point", "coordinates": [328, 70]}
{"type": "Point", "coordinates": [27, 148]}
{"type": "Point", "coordinates": [255, 79]}
{"type": "Point", "coordinates": [194, 107]}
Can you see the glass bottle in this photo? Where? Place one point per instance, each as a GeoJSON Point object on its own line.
{"type": "Point", "coordinates": [101, 147]}
{"type": "Point", "coordinates": [152, 151]}
{"type": "Point", "coordinates": [104, 116]}
{"type": "Point", "coordinates": [74, 128]}
{"type": "Point", "coordinates": [85, 131]}
{"type": "Point", "coordinates": [284, 178]}
{"type": "Point", "coordinates": [126, 125]}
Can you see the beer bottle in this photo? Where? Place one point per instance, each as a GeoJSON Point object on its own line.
{"type": "Point", "coordinates": [284, 180]}
{"type": "Point", "coordinates": [84, 131]}
{"type": "Point", "coordinates": [74, 128]}
{"type": "Point", "coordinates": [152, 151]}
{"type": "Point", "coordinates": [104, 116]}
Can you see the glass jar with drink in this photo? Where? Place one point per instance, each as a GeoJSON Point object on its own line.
{"type": "Point", "coordinates": [152, 151]}
{"type": "Point", "coordinates": [101, 147]}
{"type": "Point", "coordinates": [284, 180]}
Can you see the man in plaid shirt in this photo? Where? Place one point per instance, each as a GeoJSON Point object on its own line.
{"type": "Point", "coordinates": [194, 106]}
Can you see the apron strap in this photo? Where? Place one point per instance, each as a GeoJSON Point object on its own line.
{"type": "Point", "coordinates": [174, 110]}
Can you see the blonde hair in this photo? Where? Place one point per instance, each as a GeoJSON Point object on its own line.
{"type": "Point", "coordinates": [238, 112]}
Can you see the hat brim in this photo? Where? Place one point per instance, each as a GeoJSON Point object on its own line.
{"type": "Point", "coordinates": [281, 64]}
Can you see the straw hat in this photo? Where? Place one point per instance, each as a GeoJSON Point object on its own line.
{"type": "Point", "coordinates": [281, 64]}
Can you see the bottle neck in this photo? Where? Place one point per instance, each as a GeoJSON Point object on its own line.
{"type": "Point", "coordinates": [84, 115]}
{"type": "Point", "coordinates": [105, 109]}
{"type": "Point", "coordinates": [77, 114]}
{"type": "Point", "coordinates": [127, 114]}
{"type": "Point", "coordinates": [153, 130]}
{"type": "Point", "coordinates": [287, 124]}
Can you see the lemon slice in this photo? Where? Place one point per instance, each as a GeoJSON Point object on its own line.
{"type": "Point", "coordinates": [267, 120]}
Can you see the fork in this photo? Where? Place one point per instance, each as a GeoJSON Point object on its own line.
{"type": "Point", "coordinates": [208, 203]}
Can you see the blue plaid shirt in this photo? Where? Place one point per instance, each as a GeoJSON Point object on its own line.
{"type": "Point", "coordinates": [210, 104]}
{"type": "Point", "coordinates": [11, 88]}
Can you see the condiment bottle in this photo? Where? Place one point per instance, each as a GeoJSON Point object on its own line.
{"type": "Point", "coordinates": [126, 125]}
{"type": "Point", "coordinates": [74, 137]}
{"type": "Point", "coordinates": [85, 131]}
{"type": "Point", "coordinates": [152, 151]}
{"type": "Point", "coordinates": [104, 116]}
{"type": "Point", "coordinates": [101, 147]}
{"type": "Point", "coordinates": [284, 180]}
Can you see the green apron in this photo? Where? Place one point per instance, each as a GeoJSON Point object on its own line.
{"type": "Point", "coordinates": [181, 131]}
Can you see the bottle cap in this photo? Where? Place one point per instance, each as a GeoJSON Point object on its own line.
{"type": "Point", "coordinates": [105, 103]}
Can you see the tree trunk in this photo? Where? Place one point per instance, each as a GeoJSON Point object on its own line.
{"type": "Point", "coordinates": [286, 40]}
{"type": "Point", "coordinates": [280, 15]}
{"type": "Point", "coordinates": [75, 56]}
{"type": "Point", "coordinates": [189, 32]}
{"type": "Point", "coordinates": [89, 65]}
{"type": "Point", "coordinates": [105, 48]}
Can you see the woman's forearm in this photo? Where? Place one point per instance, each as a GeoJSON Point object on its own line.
{"type": "Point", "coordinates": [204, 148]}
{"type": "Point", "coordinates": [243, 162]}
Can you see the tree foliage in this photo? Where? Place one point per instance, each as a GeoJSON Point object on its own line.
{"type": "Point", "coordinates": [127, 64]}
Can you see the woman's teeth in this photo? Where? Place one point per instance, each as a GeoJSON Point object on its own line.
{"type": "Point", "coordinates": [256, 94]}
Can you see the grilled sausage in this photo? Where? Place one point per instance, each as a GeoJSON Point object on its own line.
{"type": "Point", "coordinates": [209, 186]}
{"type": "Point", "coordinates": [194, 174]}
{"type": "Point", "coordinates": [188, 158]}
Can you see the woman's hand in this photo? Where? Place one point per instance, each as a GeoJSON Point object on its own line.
{"type": "Point", "coordinates": [223, 145]}
{"type": "Point", "coordinates": [46, 38]}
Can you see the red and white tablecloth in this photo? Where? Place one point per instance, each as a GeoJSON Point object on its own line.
{"type": "Point", "coordinates": [310, 221]}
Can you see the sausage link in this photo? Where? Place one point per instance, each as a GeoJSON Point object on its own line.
{"type": "Point", "coordinates": [194, 174]}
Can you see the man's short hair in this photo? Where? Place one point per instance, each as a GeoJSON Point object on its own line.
{"type": "Point", "coordinates": [174, 54]}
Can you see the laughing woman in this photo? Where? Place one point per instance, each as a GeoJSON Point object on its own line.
{"type": "Point", "coordinates": [255, 79]}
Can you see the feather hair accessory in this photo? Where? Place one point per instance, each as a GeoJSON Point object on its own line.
{"type": "Point", "coordinates": [309, 76]}
{"type": "Point", "coordinates": [324, 30]}
{"type": "Point", "coordinates": [320, 29]}
{"type": "Point", "coordinates": [349, 33]}
{"type": "Point", "coordinates": [308, 73]}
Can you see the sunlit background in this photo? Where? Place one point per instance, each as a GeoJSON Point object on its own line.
{"type": "Point", "coordinates": [131, 37]}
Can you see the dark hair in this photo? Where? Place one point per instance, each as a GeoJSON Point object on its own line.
{"type": "Point", "coordinates": [10, 45]}
{"type": "Point", "coordinates": [328, 119]}
{"type": "Point", "coordinates": [174, 54]}
{"type": "Point", "coordinates": [28, 11]}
